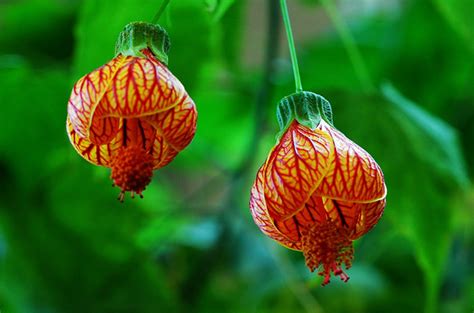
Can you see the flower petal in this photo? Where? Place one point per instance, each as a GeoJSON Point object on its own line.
{"type": "Point", "coordinates": [260, 214]}
{"type": "Point", "coordinates": [312, 213]}
{"type": "Point", "coordinates": [96, 154]}
{"type": "Point", "coordinates": [134, 131]}
{"type": "Point", "coordinates": [103, 130]}
{"type": "Point", "coordinates": [162, 152]}
{"type": "Point", "coordinates": [138, 131]}
{"type": "Point", "coordinates": [131, 131]}
{"type": "Point", "coordinates": [176, 125]}
{"type": "Point", "coordinates": [88, 92]}
{"type": "Point", "coordinates": [352, 175]}
{"type": "Point", "coordinates": [370, 213]}
{"type": "Point", "coordinates": [295, 168]}
{"type": "Point", "coordinates": [358, 217]}
{"type": "Point", "coordinates": [142, 86]}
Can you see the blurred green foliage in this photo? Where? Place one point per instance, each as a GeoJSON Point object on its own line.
{"type": "Point", "coordinates": [400, 77]}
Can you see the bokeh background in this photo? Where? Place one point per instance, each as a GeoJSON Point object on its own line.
{"type": "Point", "coordinates": [400, 77]}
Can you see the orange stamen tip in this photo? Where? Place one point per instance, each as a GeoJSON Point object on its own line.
{"type": "Point", "coordinates": [328, 245]}
{"type": "Point", "coordinates": [132, 169]}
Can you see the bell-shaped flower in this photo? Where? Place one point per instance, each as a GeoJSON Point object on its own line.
{"type": "Point", "coordinates": [132, 114]}
{"type": "Point", "coordinates": [317, 191]}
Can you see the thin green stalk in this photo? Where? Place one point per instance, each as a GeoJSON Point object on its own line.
{"type": "Point", "coordinates": [291, 45]}
{"type": "Point", "coordinates": [158, 14]}
{"type": "Point", "coordinates": [349, 43]}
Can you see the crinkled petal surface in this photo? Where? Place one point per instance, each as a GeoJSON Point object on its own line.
{"type": "Point", "coordinates": [294, 168]}
{"type": "Point", "coordinates": [177, 125]}
{"type": "Point", "coordinates": [88, 93]}
{"type": "Point", "coordinates": [142, 86]}
{"type": "Point", "coordinates": [353, 175]}
{"type": "Point", "coordinates": [261, 216]}
{"type": "Point", "coordinates": [96, 154]}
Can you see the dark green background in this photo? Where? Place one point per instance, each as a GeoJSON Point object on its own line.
{"type": "Point", "coordinates": [400, 77]}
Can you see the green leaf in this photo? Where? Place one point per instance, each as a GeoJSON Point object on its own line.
{"type": "Point", "coordinates": [349, 43]}
{"type": "Point", "coordinates": [221, 8]}
{"type": "Point", "coordinates": [225, 123]}
{"type": "Point", "coordinates": [459, 14]}
{"type": "Point", "coordinates": [38, 99]}
{"type": "Point", "coordinates": [25, 32]}
{"type": "Point", "coordinates": [433, 140]}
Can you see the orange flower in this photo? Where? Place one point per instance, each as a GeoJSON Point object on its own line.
{"type": "Point", "coordinates": [317, 191]}
{"type": "Point", "coordinates": [132, 114]}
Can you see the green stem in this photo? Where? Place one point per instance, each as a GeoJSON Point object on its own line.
{"type": "Point", "coordinates": [291, 45]}
{"type": "Point", "coordinates": [158, 14]}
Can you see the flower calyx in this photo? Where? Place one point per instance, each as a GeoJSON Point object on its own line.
{"type": "Point", "coordinates": [137, 36]}
{"type": "Point", "coordinates": [306, 107]}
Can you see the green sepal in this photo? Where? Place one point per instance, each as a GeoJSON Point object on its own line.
{"type": "Point", "coordinates": [306, 107]}
{"type": "Point", "coordinates": [137, 36]}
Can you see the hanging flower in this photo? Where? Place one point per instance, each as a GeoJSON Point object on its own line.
{"type": "Point", "coordinates": [317, 191]}
{"type": "Point", "coordinates": [132, 115]}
